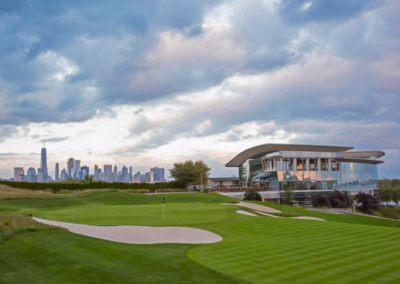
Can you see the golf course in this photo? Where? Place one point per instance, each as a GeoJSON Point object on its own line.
{"type": "Point", "coordinates": [254, 249]}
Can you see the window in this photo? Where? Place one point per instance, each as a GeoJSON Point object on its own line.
{"type": "Point", "coordinates": [324, 164]}
{"type": "Point", "coordinates": [313, 164]}
{"type": "Point", "coordinates": [301, 164]}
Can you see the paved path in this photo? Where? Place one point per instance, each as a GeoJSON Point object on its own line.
{"type": "Point", "coordinates": [258, 207]}
{"type": "Point", "coordinates": [139, 234]}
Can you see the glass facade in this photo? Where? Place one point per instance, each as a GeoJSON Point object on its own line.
{"type": "Point", "coordinates": [302, 170]}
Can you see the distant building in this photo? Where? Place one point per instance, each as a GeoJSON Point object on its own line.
{"type": "Point", "coordinates": [96, 172]}
{"type": "Point", "coordinates": [39, 175]}
{"type": "Point", "coordinates": [136, 177]}
{"type": "Point", "coordinates": [115, 174]}
{"type": "Point", "coordinates": [145, 177]}
{"type": "Point", "coordinates": [31, 175]}
{"type": "Point", "coordinates": [107, 173]}
{"type": "Point", "coordinates": [70, 167]}
{"type": "Point", "coordinates": [157, 175]}
{"type": "Point", "coordinates": [77, 168]}
{"type": "Point", "coordinates": [19, 174]}
{"type": "Point", "coordinates": [84, 172]}
{"type": "Point", "coordinates": [218, 183]}
{"type": "Point", "coordinates": [125, 175]}
{"type": "Point", "coordinates": [43, 164]}
{"type": "Point", "coordinates": [130, 174]}
{"type": "Point", "coordinates": [57, 172]}
{"type": "Point", "coordinates": [63, 175]}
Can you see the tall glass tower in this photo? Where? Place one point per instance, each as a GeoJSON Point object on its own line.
{"type": "Point", "coordinates": [43, 163]}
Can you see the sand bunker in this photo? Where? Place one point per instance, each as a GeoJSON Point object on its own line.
{"type": "Point", "coordinates": [253, 206]}
{"type": "Point", "coordinates": [308, 218]}
{"type": "Point", "coordinates": [245, 213]}
{"type": "Point", "coordinates": [139, 234]}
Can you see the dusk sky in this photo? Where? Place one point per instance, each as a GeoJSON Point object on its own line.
{"type": "Point", "coordinates": [150, 83]}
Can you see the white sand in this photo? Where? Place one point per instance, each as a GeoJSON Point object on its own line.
{"type": "Point", "coordinates": [139, 234]}
{"type": "Point", "coordinates": [308, 218]}
{"type": "Point", "coordinates": [245, 213]}
{"type": "Point", "coordinates": [269, 215]}
{"type": "Point", "coordinates": [253, 206]}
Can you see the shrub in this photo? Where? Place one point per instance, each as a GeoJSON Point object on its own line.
{"type": "Point", "coordinates": [367, 201]}
{"type": "Point", "coordinates": [252, 195]}
{"type": "Point", "coordinates": [320, 200]}
{"type": "Point", "coordinates": [288, 196]}
{"type": "Point", "coordinates": [393, 213]}
{"type": "Point", "coordinates": [81, 185]}
{"type": "Point", "coordinates": [338, 199]}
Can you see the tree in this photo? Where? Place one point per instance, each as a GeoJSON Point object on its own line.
{"type": "Point", "coordinates": [320, 200]}
{"type": "Point", "coordinates": [338, 199]}
{"type": "Point", "coordinates": [385, 194]}
{"type": "Point", "coordinates": [288, 196]}
{"type": "Point", "coordinates": [368, 202]}
{"type": "Point", "coordinates": [190, 173]}
{"type": "Point", "coordinates": [252, 195]}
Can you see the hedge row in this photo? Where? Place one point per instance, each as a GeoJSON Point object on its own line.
{"type": "Point", "coordinates": [56, 186]}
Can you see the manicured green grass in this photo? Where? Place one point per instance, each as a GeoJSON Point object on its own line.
{"type": "Point", "coordinates": [272, 250]}
{"type": "Point", "coordinates": [345, 249]}
{"type": "Point", "coordinates": [123, 208]}
{"type": "Point", "coordinates": [50, 255]}
{"type": "Point", "coordinates": [291, 211]}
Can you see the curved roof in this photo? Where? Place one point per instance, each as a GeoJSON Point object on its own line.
{"type": "Point", "coordinates": [363, 154]}
{"type": "Point", "coordinates": [258, 151]}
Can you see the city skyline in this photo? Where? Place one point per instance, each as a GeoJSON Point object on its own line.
{"type": "Point", "coordinates": [198, 82]}
{"type": "Point", "coordinates": [75, 170]}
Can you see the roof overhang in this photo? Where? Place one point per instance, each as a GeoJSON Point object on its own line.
{"type": "Point", "coordinates": [361, 161]}
{"type": "Point", "coordinates": [261, 150]}
{"type": "Point", "coordinates": [363, 154]}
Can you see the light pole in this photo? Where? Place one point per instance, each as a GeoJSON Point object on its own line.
{"type": "Point", "coordinates": [163, 209]}
{"type": "Point", "coordinates": [201, 181]}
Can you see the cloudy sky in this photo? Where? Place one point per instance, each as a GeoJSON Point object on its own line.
{"type": "Point", "coordinates": [149, 83]}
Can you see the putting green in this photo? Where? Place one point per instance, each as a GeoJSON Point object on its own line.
{"type": "Point", "coordinates": [147, 215]}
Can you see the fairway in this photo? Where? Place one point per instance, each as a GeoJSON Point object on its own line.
{"type": "Point", "coordinates": [345, 249]}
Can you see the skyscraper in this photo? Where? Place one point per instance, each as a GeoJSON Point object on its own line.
{"type": "Point", "coordinates": [124, 174]}
{"type": "Point", "coordinates": [31, 175]}
{"type": "Point", "coordinates": [157, 174]}
{"type": "Point", "coordinates": [77, 168]}
{"type": "Point", "coordinates": [57, 172]}
{"type": "Point", "coordinates": [70, 167]}
{"type": "Point", "coordinates": [108, 175]}
{"type": "Point", "coordinates": [130, 174]}
{"type": "Point", "coordinates": [96, 172]}
{"type": "Point", "coordinates": [115, 173]}
{"type": "Point", "coordinates": [64, 175]}
{"type": "Point", "coordinates": [19, 174]}
{"type": "Point", "coordinates": [84, 172]}
{"type": "Point", "coordinates": [43, 163]}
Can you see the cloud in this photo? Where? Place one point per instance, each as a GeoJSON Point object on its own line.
{"type": "Point", "coordinates": [205, 79]}
{"type": "Point", "coordinates": [56, 139]}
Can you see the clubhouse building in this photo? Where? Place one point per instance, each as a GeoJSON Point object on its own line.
{"type": "Point", "coordinates": [306, 170]}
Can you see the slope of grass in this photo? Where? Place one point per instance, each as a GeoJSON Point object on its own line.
{"type": "Point", "coordinates": [43, 254]}
{"type": "Point", "coordinates": [290, 211]}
